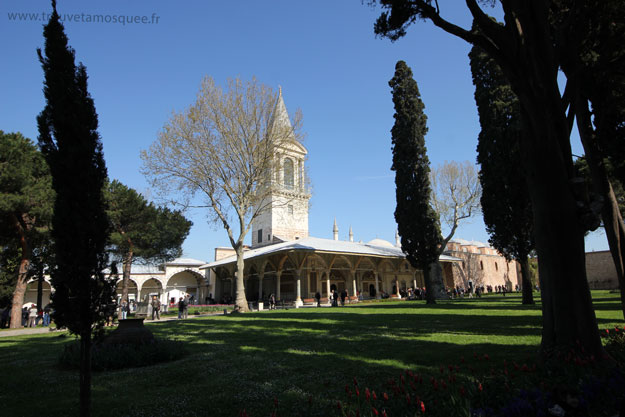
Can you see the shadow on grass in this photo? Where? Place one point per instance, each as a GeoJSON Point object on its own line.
{"type": "Point", "coordinates": [245, 361]}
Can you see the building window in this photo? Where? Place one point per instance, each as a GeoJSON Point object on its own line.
{"type": "Point", "coordinates": [288, 174]}
{"type": "Point", "coordinates": [260, 236]}
{"type": "Point", "coordinates": [290, 208]}
{"type": "Point", "coordinates": [496, 267]}
{"type": "Point", "coordinates": [481, 265]}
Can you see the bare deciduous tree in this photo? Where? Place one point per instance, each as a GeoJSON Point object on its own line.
{"type": "Point", "coordinates": [456, 193]}
{"type": "Point", "coordinates": [222, 149]}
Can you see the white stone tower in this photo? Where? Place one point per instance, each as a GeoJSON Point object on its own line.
{"type": "Point", "coordinates": [286, 218]}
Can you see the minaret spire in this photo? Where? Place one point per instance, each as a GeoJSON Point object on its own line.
{"type": "Point", "coordinates": [335, 231]}
{"type": "Point", "coordinates": [397, 240]}
{"type": "Point", "coordinates": [351, 234]}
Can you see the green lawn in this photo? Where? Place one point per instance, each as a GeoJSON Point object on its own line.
{"type": "Point", "coordinates": [245, 361]}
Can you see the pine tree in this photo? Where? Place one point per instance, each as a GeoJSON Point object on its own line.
{"type": "Point", "coordinates": [417, 222]}
{"type": "Point", "coordinates": [69, 139]}
{"type": "Point", "coordinates": [25, 210]}
{"type": "Point", "coordinates": [505, 199]}
{"type": "Point", "coordinates": [141, 231]}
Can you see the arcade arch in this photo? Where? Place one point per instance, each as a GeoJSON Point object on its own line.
{"type": "Point", "coordinates": [133, 293]}
{"type": "Point", "coordinates": [182, 284]}
{"type": "Point", "coordinates": [150, 288]}
{"type": "Point", "coordinates": [30, 296]}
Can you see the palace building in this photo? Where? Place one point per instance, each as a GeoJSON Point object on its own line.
{"type": "Point", "coordinates": [284, 260]}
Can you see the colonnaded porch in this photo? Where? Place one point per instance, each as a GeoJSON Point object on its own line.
{"type": "Point", "coordinates": [297, 272]}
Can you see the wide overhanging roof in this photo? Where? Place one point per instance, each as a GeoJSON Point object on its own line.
{"type": "Point", "coordinates": [315, 244]}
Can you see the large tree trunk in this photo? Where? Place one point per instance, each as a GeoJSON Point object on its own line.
{"type": "Point", "coordinates": [40, 291]}
{"type": "Point", "coordinates": [22, 274]}
{"type": "Point", "coordinates": [526, 281]}
{"type": "Point", "coordinates": [568, 314]}
{"type": "Point", "coordinates": [434, 288]}
{"type": "Point", "coordinates": [125, 279]}
{"type": "Point", "coordinates": [240, 299]}
{"type": "Point", "coordinates": [531, 66]}
{"type": "Point", "coordinates": [85, 372]}
{"type": "Point", "coordinates": [610, 213]}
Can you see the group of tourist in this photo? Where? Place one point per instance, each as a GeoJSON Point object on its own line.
{"type": "Point", "coordinates": [183, 308]}
{"type": "Point", "coordinates": [31, 316]}
{"type": "Point", "coordinates": [335, 297]}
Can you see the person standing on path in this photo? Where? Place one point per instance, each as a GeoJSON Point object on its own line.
{"type": "Point", "coordinates": [46, 316]}
{"type": "Point", "coordinates": [180, 307]}
{"type": "Point", "coordinates": [156, 307]}
{"type": "Point", "coordinates": [32, 316]}
{"type": "Point", "coordinates": [124, 308]}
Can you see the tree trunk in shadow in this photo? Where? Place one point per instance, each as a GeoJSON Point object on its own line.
{"type": "Point", "coordinates": [85, 373]}
{"type": "Point", "coordinates": [526, 281]}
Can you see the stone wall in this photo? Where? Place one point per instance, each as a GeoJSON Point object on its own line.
{"type": "Point", "coordinates": [600, 271]}
{"type": "Point", "coordinates": [483, 265]}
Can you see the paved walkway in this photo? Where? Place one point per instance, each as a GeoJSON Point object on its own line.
{"type": "Point", "coordinates": [38, 330]}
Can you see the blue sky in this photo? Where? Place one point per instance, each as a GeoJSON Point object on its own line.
{"type": "Point", "coordinates": [324, 55]}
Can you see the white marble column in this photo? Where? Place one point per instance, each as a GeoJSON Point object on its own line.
{"type": "Point", "coordinates": [377, 286]}
{"type": "Point", "coordinates": [397, 287]}
{"type": "Point", "coordinates": [355, 287]}
{"type": "Point", "coordinates": [278, 275]}
{"type": "Point", "coordinates": [328, 283]}
{"type": "Point", "coordinates": [298, 296]}
{"type": "Point", "coordinates": [261, 276]}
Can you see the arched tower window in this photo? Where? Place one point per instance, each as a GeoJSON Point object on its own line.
{"type": "Point", "coordinates": [289, 173]}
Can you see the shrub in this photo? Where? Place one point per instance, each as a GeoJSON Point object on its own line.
{"type": "Point", "coordinates": [106, 357]}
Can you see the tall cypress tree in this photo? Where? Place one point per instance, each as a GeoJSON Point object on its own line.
{"type": "Point", "coordinates": [417, 222]}
{"type": "Point", "coordinates": [69, 139]}
{"type": "Point", "coordinates": [505, 199]}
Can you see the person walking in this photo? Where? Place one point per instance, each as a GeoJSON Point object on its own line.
{"type": "Point", "coordinates": [6, 317]}
{"type": "Point", "coordinates": [180, 307]}
{"type": "Point", "coordinates": [46, 316]}
{"type": "Point", "coordinates": [318, 297]}
{"type": "Point", "coordinates": [156, 307]}
{"type": "Point", "coordinates": [32, 316]}
{"type": "Point", "coordinates": [124, 309]}
{"type": "Point", "coordinates": [185, 311]}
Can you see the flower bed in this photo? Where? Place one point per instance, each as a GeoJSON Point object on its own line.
{"type": "Point", "coordinates": [201, 309]}
{"type": "Point", "coordinates": [569, 383]}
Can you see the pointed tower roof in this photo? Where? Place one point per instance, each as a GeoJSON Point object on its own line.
{"type": "Point", "coordinates": [281, 115]}
{"type": "Point", "coordinates": [351, 234]}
